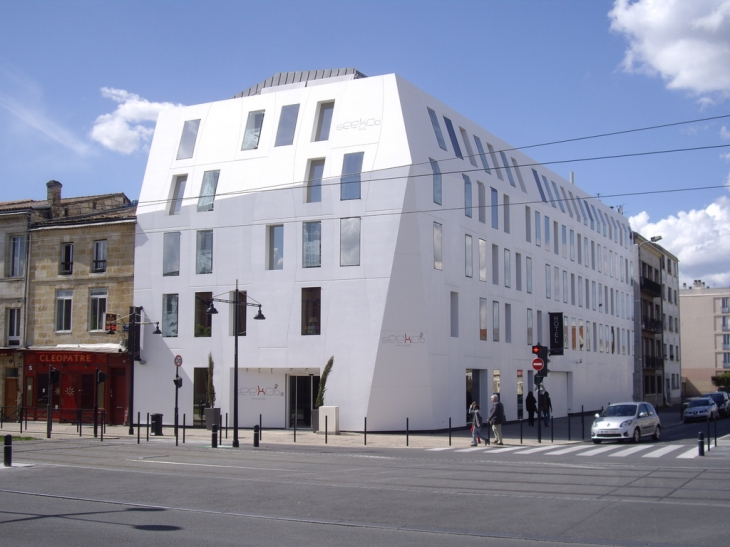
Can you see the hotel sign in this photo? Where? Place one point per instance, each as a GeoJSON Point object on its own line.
{"type": "Point", "coordinates": [556, 333]}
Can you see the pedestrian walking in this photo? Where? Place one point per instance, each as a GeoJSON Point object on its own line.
{"type": "Point", "coordinates": [476, 424]}
{"type": "Point", "coordinates": [496, 419]}
{"type": "Point", "coordinates": [547, 408]}
{"type": "Point", "coordinates": [531, 405]}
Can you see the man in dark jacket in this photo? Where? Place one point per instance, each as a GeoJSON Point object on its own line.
{"type": "Point", "coordinates": [496, 419]}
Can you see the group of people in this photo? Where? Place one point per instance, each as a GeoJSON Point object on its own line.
{"type": "Point", "coordinates": [496, 415]}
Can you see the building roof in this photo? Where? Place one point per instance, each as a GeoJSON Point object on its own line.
{"type": "Point", "coordinates": [286, 78]}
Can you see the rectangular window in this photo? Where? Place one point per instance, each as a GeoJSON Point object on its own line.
{"type": "Point", "coordinates": [482, 260]}
{"type": "Point", "coordinates": [580, 250]}
{"type": "Point", "coordinates": [538, 237]}
{"type": "Point", "coordinates": [13, 322]}
{"type": "Point", "coordinates": [508, 323]}
{"type": "Point", "coordinates": [275, 246]}
{"type": "Point", "coordinates": [528, 274]}
{"type": "Point", "coordinates": [495, 209]}
{"type": "Point", "coordinates": [187, 139]}
{"type": "Point", "coordinates": [169, 315]}
{"type": "Point", "coordinates": [495, 264]}
{"type": "Point", "coordinates": [311, 244]}
{"type": "Point", "coordinates": [482, 155]}
{"type": "Point", "coordinates": [528, 224]}
{"type": "Point", "coordinates": [572, 289]}
{"type": "Point", "coordinates": [505, 213]}
{"type": "Point", "coordinates": [530, 336]}
{"type": "Point", "coordinates": [97, 309]}
{"type": "Point", "coordinates": [452, 136]}
{"type": "Point", "coordinates": [556, 239]}
{"type": "Point", "coordinates": [350, 241]}
{"type": "Point", "coordinates": [586, 251]}
{"type": "Point", "coordinates": [99, 262]}
{"type": "Point", "coordinates": [483, 319]}
{"type": "Point", "coordinates": [350, 181]}
{"type": "Point", "coordinates": [67, 259]}
{"type": "Point", "coordinates": [171, 254]}
{"type": "Point", "coordinates": [314, 181]}
{"type": "Point", "coordinates": [324, 121]}
{"type": "Point", "coordinates": [437, 183]}
{"type": "Point", "coordinates": [64, 304]}
{"type": "Point", "coordinates": [468, 257]}
{"type": "Point", "coordinates": [556, 283]}
{"type": "Point", "coordinates": [518, 271]}
{"type": "Point", "coordinates": [207, 191]}
{"type": "Point", "coordinates": [203, 320]}
{"type": "Point", "coordinates": [178, 191]}
{"type": "Point", "coordinates": [311, 310]}
{"type": "Point", "coordinates": [467, 196]}
{"type": "Point", "coordinates": [252, 133]}
{"type": "Point", "coordinates": [495, 321]}
{"type": "Point", "coordinates": [204, 252]}
{"type": "Point", "coordinates": [17, 256]}
{"type": "Point", "coordinates": [565, 287]}
{"type": "Point", "coordinates": [437, 128]}
{"type": "Point", "coordinates": [548, 282]}
{"type": "Point", "coordinates": [493, 155]}
{"type": "Point", "coordinates": [482, 196]}
{"type": "Point", "coordinates": [287, 125]}
{"type": "Point", "coordinates": [507, 269]}
{"type": "Point", "coordinates": [437, 242]}
{"type": "Point", "coordinates": [454, 304]}
{"type": "Point", "coordinates": [467, 145]}
{"type": "Point", "coordinates": [546, 234]}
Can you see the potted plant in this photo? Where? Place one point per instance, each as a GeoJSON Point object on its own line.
{"type": "Point", "coordinates": [319, 401]}
{"type": "Point", "coordinates": [212, 414]}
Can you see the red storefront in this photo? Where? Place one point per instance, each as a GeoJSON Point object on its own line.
{"type": "Point", "coordinates": [75, 390]}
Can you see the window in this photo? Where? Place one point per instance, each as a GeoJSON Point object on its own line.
{"type": "Point", "coordinates": [507, 269]}
{"type": "Point", "coordinates": [495, 265]}
{"type": "Point", "coordinates": [528, 224]}
{"type": "Point", "coordinates": [311, 310]}
{"type": "Point", "coordinates": [13, 322]}
{"type": "Point", "coordinates": [467, 196]}
{"type": "Point", "coordinates": [482, 260]}
{"type": "Point", "coordinates": [350, 241]}
{"type": "Point", "coordinates": [482, 155]}
{"type": "Point", "coordinates": [99, 264]}
{"type": "Point", "coordinates": [505, 213]}
{"type": "Point", "coordinates": [482, 197]}
{"type": "Point", "coordinates": [565, 287]}
{"type": "Point", "coordinates": [203, 320]}
{"type": "Point", "coordinates": [506, 168]}
{"type": "Point", "coordinates": [97, 308]}
{"type": "Point", "coordinates": [64, 302]}
{"type": "Point", "coordinates": [519, 175]}
{"type": "Point", "coordinates": [452, 136]}
{"type": "Point", "coordinates": [171, 254]}
{"type": "Point", "coordinates": [528, 274]}
{"type": "Point", "coordinates": [556, 283]}
{"type": "Point", "coordinates": [287, 125]}
{"type": "Point", "coordinates": [538, 238]}
{"type": "Point", "coordinates": [437, 183]}
{"type": "Point", "coordinates": [311, 244]}
{"type": "Point", "coordinates": [580, 252]}
{"type": "Point", "coordinates": [565, 241]}
{"type": "Point", "coordinates": [437, 247]}
{"type": "Point", "coordinates": [508, 323]}
{"type": "Point", "coordinates": [17, 256]}
{"type": "Point", "coordinates": [493, 155]}
{"type": "Point", "coordinates": [253, 130]}
{"type": "Point", "coordinates": [468, 256]}
{"type": "Point", "coordinates": [350, 181]}
{"type": "Point", "coordinates": [518, 271]}
{"type": "Point", "coordinates": [187, 140]}
{"type": "Point", "coordinates": [314, 181]}
{"type": "Point", "coordinates": [556, 239]}
{"type": "Point", "coordinates": [495, 209]}
{"type": "Point", "coordinates": [207, 191]}
{"type": "Point", "coordinates": [437, 129]}
{"type": "Point", "coordinates": [67, 259]}
{"type": "Point", "coordinates": [467, 145]}
{"type": "Point", "coordinates": [483, 319]}
{"type": "Point", "coordinates": [495, 321]}
{"type": "Point", "coordinates": [178, 190]}
{"type": "Point", "coordinates": [547, 233]}
{"type": "Point", "coordinates": [169, 315]}
{"type": "Point", "coordinates": [454, 303]}
{"type": "Point", "coordinates": [204, 252]}
{"type": "Point", "coordinates": [275, 245]}
{"type": "Point", "coordinates": [324, 121]}
{"type": "Point", "coordinates": [548, 282]}
{"type": "Point", "coordinates": [530, 336]}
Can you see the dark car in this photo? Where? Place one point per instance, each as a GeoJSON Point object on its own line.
{"type": "Point", "coordinates": [722, 400]}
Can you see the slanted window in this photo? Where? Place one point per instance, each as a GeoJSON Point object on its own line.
{"type": "Point", "coordinates": [452, 136]}
{"type": "Point", "coordinates": [437, 247]}
{"type": "Point", "coordinates": [324, 121]}
{"type": "Point", "coordinates": [539, 186]}
{"type": "Point", "coordinates": [13, 322]}
{"type": "Point", "coordinates": [437, 129]}
{"type": "Point", "coordinates": [253, 130]}
{"type": "Point", "coordinates": [178, 190]}
{"type": "Point", "coordinates": [311, 244]}
{"type": "Point", "coordinates": [204, 252]}
{"type": "Point", "coordinates": [437, 183]}
{"type": "Point", "coordinates": [275, 246]}
{"type": "Point", "coordinates": [482, 155]}
{"type": "Point", "coordinates": [314, 181]}
{"type": "Point", "coordinates": [187, 140]}
{"type": "Point", "coordinates": [350, 241]}
{"type": "Point", "coordinates": [64, 304]}
{"type": "Point", "coordinates": [67, 259]}
{"type": "Point", "coordinates": [203, 320]}
{"type": "Point", "coordinates": [171, 254]}
{"type": "Point", "coordinates": [311, 310]}
{"type": "Point", "coordinates": [17, 256]}
{"type": "Point", "coordinates": [169, 315]}
{"type": "Point", "coordinates": [99, 264]}
{"type": "Point", "coordinates": [350, 181]}
{"type": "Point", "coordinates": [507, 168]}
{"type": "Point", "coordinates": [493, 155]}
{"type": "Point", "coordinates": [287, 125]}
{"type": "Point", "coordinates": [97, 308]}
{"type": "Point", "coordinates": [467, 145]}
{"type": "Point", "coordinates": [516, 167]}
{"type": "Point", "coordinates": [207, 190]}
{"type": "Point", "coordinates": [467, 196]}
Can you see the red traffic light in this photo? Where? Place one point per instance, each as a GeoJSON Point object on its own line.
{"type": "Point", "coordinates": [536, 350]}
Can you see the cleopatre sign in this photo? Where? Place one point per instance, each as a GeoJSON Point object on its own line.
{"type": "Point", "coordinates": [556, 333]}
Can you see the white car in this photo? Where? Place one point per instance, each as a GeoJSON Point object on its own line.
{"type": "Point", "coordinates": [701, 408]}
{"type": "Point", "coordinates": [626, 421]}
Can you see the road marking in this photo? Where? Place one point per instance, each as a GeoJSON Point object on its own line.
{"type": "Point", "coordinates": [538, 449]}
{"type": "Point", "coordinates": [662, 451]}
{"type": "Point", "coordinates": [632, 450]}
{"type": "Point", "coordinates": [566, 450]}
{"type": "Point", "coordinates": [689, 454]}
{"type": "Point", "coordinates": [495, 449]}
{"type": "Point", "coordinates": [439, 449]}
{"type": "Point", "coordinates": [597, 451]}
{"type": "Point", "coordinates": [470, 449]}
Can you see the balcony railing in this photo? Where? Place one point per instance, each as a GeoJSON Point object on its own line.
{"type": "Point", "coordinates": [650, 286]}
{"type": "Point", "coordinates": [652, 362]}
{"type": "Point", "coordinates": [67, 268]}
{"type": "Point", "coordinates": [652, 325]}
{"type": "Point", "coordinates": [99, 266]}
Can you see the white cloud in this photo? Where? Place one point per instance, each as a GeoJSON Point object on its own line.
{"type": "Point", "coordinates": [724, 133]}
{"type": "Point", "coordinates": [686, 42]}
{"type": "Point", "coordinates": [131, 125]}
{"type": "Point", "coordinates": [700, 239]}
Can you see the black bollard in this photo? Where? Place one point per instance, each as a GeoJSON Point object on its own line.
{"type": "Point", "coordinates": [261, 429]}
{"type": "Point", "coordinates": [256, 436]}
{"type": "Point", "coordinates": [521, 431]}
{"type": "Point", "coordinates": [715, 432]}
{"type": "Point", "coordinates": [449, 431]}
{"type": "Point", "coordinates": [8, 455]}
{"type": "Point", "coordinates": [701, 443]}
{"type": "Point", "coordinates": [407, 431]}
{"type": "Point", "coordinates": [709, 437]}
{"type": "Point", "coordinates": [139, 418]}
{"type": "Point", "coordinates": [184, 426]}
{"type": "Point", "coordinates": [325, 428]}
{"type": "Point", "coordinates": [214, 436]}
{"type": "Point", "coordinates": [148, 427]}
{"type": "Point", "coordinates": [365, 430]}
{"type": "Point", "coordinates": [582, 423]}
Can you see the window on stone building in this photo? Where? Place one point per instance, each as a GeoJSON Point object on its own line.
{"type": "Point", "coordinates": [64, 305]}
{"type": "Point", "coordinates": [13, 323]}
{"type": "Point", "coordinates": [97, 309]}
{"type": "Point", "coordinates": [17, 256]}
{"type": "Point", "coordinates": [67, 259]}
{"type": "Point", "coordinates": [99, 263]}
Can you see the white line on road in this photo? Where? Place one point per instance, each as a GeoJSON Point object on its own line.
{"type": "Point", "coordinates": [689, 454]}
{"type": "Point", "coordinates": [567, 450]}
{"type": "Point", "coordinates": [632, 450]}
{"type": "Point", "coordinates": [598, 451]}
{"type": "Point", "coordinates": [662, 451]}
{"type": "Point", "coordinates": [538, 449]}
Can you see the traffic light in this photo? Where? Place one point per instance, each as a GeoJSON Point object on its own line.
{"type": "Point", "coordinates": [541, 352]}
{"type": "Point", "coordinates": [100, 377]}
{"type": "Point", "coordinates": [55, 376]}
{"type": "Point", "coordinates": [178, 382]}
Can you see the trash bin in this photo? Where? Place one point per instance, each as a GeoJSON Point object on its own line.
{"type": "Point", "coordinates": [156, 424]}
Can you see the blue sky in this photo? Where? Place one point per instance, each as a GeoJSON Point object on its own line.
{"type": "Point", "coordinates": [81, 83]}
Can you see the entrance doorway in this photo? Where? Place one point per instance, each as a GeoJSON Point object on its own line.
{"type": "Point", "coordinates": [118, 397]}
{"type": "Point", "coordinates": [302, 392]}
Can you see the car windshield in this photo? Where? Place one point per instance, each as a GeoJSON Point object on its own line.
{"type": "Point", "coordinates": [700, 402]}
{"type": "Point", "coordinates": [717, 397]}
{"type": "Point", "coordinates": [619, 411]}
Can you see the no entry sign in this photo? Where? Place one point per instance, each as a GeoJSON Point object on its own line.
{"type": "Point", "coordinates": [538, 363]}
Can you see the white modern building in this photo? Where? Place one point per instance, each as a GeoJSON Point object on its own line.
{"type": "Point", "coordinates": [380, 226]}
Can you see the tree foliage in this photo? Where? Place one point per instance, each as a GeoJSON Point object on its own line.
{"type": "Point", "coordinates": [721, 380]}
{"type": "Point", "coordinates": [322, 381]}
{"type": "Point", "coordinates": [211, 387]}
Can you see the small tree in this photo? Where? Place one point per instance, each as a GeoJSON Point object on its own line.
{"type": "Point", "coordinates": [211, 387]}
{"type": "Point", "coordinates": [322, 382]}
{"type": "Point", "coordinates": [721, 380]}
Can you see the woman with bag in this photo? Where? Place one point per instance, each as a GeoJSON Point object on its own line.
{"type": "Point", "coordinates": [531, 405]}
{"type": "Point", "coordinates": [476, 424]}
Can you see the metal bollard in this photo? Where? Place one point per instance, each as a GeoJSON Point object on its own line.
{"type": "Point", "coordinates": [449, 431]}
{"type": "Point", "coordinates": [184, 427]}
{"type": "Point", "coordinates": [261, 429]}
{"type": "Point", "coordinates": [325, 428]}
{"type": "Point", "coordinates": [552, 430]}
{"type": "Point", "coordinates": [139, 418]}
{"type": "Point", "coordinates": [521, 430]}
{"type": "Point", "coordinates": [365, 430]}
{"type": "Point", "coordinates": [709, 437]}
{"type": "Point", "coordinates": [214, 436]}
{"type": "Point", "coordinates": [8, 456]}
{"type": "Point", "coordinates": [407, 431]}
{"type": "Point", "coordinates": [701, 443]}
{"type": "Point", "coordinates": [256, 436]}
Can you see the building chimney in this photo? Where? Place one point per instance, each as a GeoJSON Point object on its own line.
{"type": "Point", "coordinates": [53, 196]}
{"type": "Point", "coordinates": [572, 177]}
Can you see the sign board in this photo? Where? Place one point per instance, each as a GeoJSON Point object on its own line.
{"type": "Point", "coordinates": [556, 333]}
{"type": "Point", "coordinates": [178, 361]}
{"type": "Point", "coordinates": [538, 363]}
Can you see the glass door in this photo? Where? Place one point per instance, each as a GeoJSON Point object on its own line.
{"type": "Point", "coordinates": [302, 392]}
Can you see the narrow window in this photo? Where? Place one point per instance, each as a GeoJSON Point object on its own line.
{"type": "Point", "coordinates": [452, 136]}
{"type": "Point", "coordinates": [204, 252]}
{"type": "Point", "coordinates": [187, 139]}
{"type": "Point", "coordinates": [324, 121]}
{"type": "Point", "coordinates": [495, 209]}
{"type": "Point", "coordinates": [550, 193]}
{"type": "Point", "coordinates": [314, 181]}
{"type": "Point", "coordinates": [482, 155]}
{"type": "Point", "coordinates": [178, 190]}
{"type": "Point", "coordinates": [287, 125]}
{"type": "Point", "coordinates": [311, 244]}
{"type": "Point", "coordinates": [556, 283]}
{"type": "Point", "coordinates": [482, 197]}
{"type": "Point", "coordinates": [467, 145]}
{"type": "Point", "coordinates": [530, 336]}
{"type": "Point", "coordinates": [507, 269]}
{"type": "Point", "coordinates": [483, 319]}
{"type": "Point", "coordinates": [311, 310]}
{"type": "Point", "coordinates": [203, 320]}
{"type": "Point", "coordinates": [99, 263]}
{"type": "Point", "coordinates": [556, 239]}
{"type": "Point", "coordinates": [528, 274]}
{"type": "Point", "coordinates": [547, 233]}
{"type": "Point", "coordinates": [64, 304]}
{"type": "Point", "coordinates": [508, 323]}
{"type": "Point", "coordinates": [560, 201]}
{"type": "Point", "coordinates": [507, 168]}
{"type": "Point", "coordinates": [171, 254]}
{"type": "Point", "coordinates": [17, 256]}
{"type": "Point", "coordinates": [467, 196]}
{"type": "Point", "coordinates": [437, 183]}
{"type": "Point", "coordinates": [572, 245]}
{"type": "Point", "coordinates": [538, 238]}
{"type": "Point", "coordinates": [207, 191]}
{"type": "Point", "coordinates": [548, 282]}
{"type": "Point", "coordinates": [528, 224]}
{"type": "Point", "coordinates": [495, 265]}
{"type": "Point", "coordinates": [518, 271]}
{"type": "Point", "coordinates": [564, 241]}
{"type": "Point", "coordinates": [505, 214]}
{"type": "Point", "coordinates": [580, 250]}
{"type": "Point", "coordinates": [350, 241]}
{"type": "Point", "coordinates": [519, 175]}
{"type": "Point", "coordinates": [275, 246]}
{"type": "Point", "coordinates": [565, 287]}
{"type": "Point", "coordinates": [493, 155]}
{"type": "Point", "coordinates": [437, 129]}
{"type": "Point", "coordinates": [468, 256]}
{"type": "Point", "coordinates": [97, 309]}
{"type": "Point", "coordinates": [495, 321]}
{"type": "Point", "coordinates": [169, 315]}
{"type": "Point", "coordinates": [437, 247]}
{"type": "Point", "coordinates": [539, 186]}
{"type": "Point", "coordinates": [67, 259]}
{"type": "Point", "coordinates": [482, 260]}
{"type": "Point", "coordinates": [13, 322]}
{"type": "Point", "coordinates": [252, 134]}
{"type": "Point", "coordinates": [350, 181]}
{"type": "Point", "coordinates": [454, 301]}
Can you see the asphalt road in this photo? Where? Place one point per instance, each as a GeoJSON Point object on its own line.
{"type": "Point", "coordinates": [80, 492]}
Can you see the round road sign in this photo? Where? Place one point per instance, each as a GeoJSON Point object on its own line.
{"type": "Point", "coordinates": [178, 361]}
{"type": "Point", "coordinates": [538, 363]}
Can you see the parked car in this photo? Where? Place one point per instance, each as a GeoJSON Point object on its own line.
{"type": "Point", "coordinates": [701, 408]}
{"type": "Point", "coordinates": [626, 421]}
{"type": "Point", "coordinates": [722, 400]}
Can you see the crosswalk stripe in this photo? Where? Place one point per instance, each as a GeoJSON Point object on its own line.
{"type": "Point", "coordinates": [538, 449]}
{"type": "Point", "coordinates": [689, 454]}
{"type": "Point", "coordinates": [663, 451]}
{"type": "Point", "coordinates": [566, 450]}
{"type": "Point", "coordinates": [470, 449]}
{"type": "Point", "coordinates": [495, 449]}
{"type": "Point", "coordinates": [632, 450]}
{"type": "Point", "coordinates": [439, 449]}
{"type": "Point", "coordinates": [597, 451]}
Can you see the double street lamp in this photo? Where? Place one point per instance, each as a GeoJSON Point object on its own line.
{"type": "Point", "coordinates": [259, 316]}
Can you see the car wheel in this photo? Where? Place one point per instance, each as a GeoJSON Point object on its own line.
{"type": "Point", "coordinates": [657, 433]}
{"type": "Point", "coordinates": [636, 437]}
{"type": "Point", "coordinates": [596, 441]}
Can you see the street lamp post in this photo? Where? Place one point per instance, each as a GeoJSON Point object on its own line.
{"type": "Point", "coordinates": [211, 310]}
